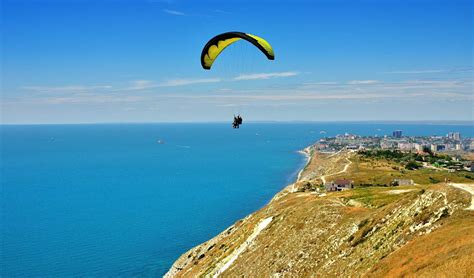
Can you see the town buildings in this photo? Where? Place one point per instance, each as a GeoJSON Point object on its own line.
{"type": "Point", "coordinates": [397, 134]}
{"type": "Point", "coordinates": [451, 142]}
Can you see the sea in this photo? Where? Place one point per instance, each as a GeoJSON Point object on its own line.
{"type": "Point", "coordinates": [107, 200]}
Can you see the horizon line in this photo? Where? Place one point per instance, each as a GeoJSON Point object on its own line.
{"type": "Point", "coordinates": [447, 122]}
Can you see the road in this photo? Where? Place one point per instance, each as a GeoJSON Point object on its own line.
{"type": "Point", "coordinates": [467, 187]}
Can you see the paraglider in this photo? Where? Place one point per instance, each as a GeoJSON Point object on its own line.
{"type": "Point", "coordinates": [217, 44]}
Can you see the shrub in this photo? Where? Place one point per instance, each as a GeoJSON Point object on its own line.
{"type": "Point", "coordinates": [434, 180]}
{"type": "Point", "coordinates": [412, 165]}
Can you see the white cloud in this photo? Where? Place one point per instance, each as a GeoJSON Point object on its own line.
{"type": "Point", "coordinates": [423, 71]}
{"type": "Point", "coordinates": [259, 76]}
{"type": "Point", "coordinates": [363, 82]}
{"type": "Point", "coordinates": [400, 92]}
{"type": "Point", "coordinates": [433, 82]}
{"type": "Point", "coordinates": [65, 89]}
{"type": "Point", "coordinates": [184, 82]}
{"type": "Point", "coordinates": [225, 90]}
{"type": "Point", "coordinates": [142, 85]}
{"type": "Point", "coordinates": [138, 90]}
{"type": "Point", "coordinates": [414, 71]}
{"type": "Point", "coordinates": [227, 105]}
{"type": "Point", "coordinates": [90, 99]}
{"type": "Point", "coordinates": [291, 96]}
{"type": "Point", "coordinates": [138, 85]}
{"type": "Point", "coordinates": [174, 12]}
{"type": "Point", "coordinates": [321, 83]}
{"type": "Point", "coordinates": [387, 85]}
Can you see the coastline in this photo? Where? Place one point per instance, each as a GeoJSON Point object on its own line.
{"type": "Point", "coordinates": [301, 230]}
{"type": "Point", "coordinates": [261, 225]}
{"type": "Point", "coordinates": [307, 153]}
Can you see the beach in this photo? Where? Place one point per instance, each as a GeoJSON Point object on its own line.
{"type": "Point", "coordinates": [307, 153]}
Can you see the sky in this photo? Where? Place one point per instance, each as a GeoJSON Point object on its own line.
{"type": "Point", "coordinates": [100, 61]}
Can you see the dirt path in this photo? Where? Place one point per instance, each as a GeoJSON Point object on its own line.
{"type": "Point", "coordinates": [467, 187]}
{"type": "Point", "coordinates": [349, 162]}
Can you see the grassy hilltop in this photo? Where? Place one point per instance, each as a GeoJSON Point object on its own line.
{"type": "Point", "coordinates": [372, 230]}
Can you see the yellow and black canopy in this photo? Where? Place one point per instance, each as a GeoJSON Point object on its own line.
{"type": "Point", "coordinates": [216, 45]}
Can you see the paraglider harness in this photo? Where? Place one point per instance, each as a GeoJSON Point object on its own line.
{"type": "Point", "coordinates": [237, 121]}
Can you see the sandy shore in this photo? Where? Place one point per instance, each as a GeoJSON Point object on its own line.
{"type": "Point", "coordinates": [307, 153]}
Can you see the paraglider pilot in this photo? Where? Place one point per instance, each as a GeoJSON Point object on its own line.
{"type": "Point", "coordinates": [237, 121]}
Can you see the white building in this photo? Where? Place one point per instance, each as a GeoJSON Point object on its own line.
{"type": "Point", "coordinates": [339, 185]}
{"type": "Point", "coordinates": [454, 136]}
{"type": "Point", "coordinates": [419, 147]}
{"type": "Point", "coordinates": [403, 146]}
{"type": "Point", "coordinates": [402, 182]}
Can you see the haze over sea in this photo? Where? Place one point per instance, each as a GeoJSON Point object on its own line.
{"type": "Point", "coordinates": [109, 199]}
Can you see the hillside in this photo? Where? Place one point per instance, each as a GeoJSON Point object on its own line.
{"type": "Point", "coordinates": [421, 229]}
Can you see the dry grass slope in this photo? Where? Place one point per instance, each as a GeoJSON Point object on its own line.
{"type": "Point", "coordinates": [375, 231]}
{"type": "Point", "coordinates": [448, 251]}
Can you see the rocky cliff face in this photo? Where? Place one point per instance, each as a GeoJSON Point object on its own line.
{"type": "Point", "coordinates": [360, 232]}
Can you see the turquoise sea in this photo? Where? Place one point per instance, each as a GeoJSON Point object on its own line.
{"type": "Point", "coordinates": [128, 199]}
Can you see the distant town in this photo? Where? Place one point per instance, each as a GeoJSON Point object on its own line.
{"type": "Point", "coordinates": [451, 152]}
{"type": "Point", "coordinates": [453, 141]}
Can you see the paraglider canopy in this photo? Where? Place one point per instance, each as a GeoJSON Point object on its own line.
{"type": "Point", "coordinates": [217, 44]}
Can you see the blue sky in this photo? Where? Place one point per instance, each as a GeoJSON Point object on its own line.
{"type": "Point", "coordinates": [85, 61]}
